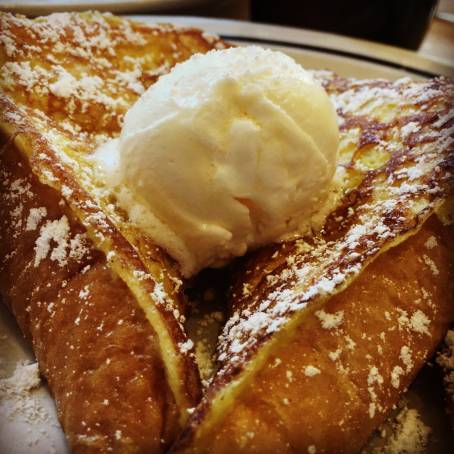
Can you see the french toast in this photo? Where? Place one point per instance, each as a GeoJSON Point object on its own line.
{"type": "Point", "coordinates": [325, 332]}
{"type": "Point", "coordinates": [100, 302]}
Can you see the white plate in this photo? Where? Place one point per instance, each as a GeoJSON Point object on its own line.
{"type": "Point", "coordinates": [346, 56]}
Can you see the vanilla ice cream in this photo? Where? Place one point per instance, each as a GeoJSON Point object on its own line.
{"type": "Point", "coordinates": [231, 150]}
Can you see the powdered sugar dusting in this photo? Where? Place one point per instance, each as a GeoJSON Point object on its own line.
{"type": "Point", "coordinates": [330, 321]}
{"type": "Point", "coordinates": [56, 231]}
{"type": "Point", "coordinates": [70, 62]}
{"type": "Point", "coordinates": [397, 197]}
{"type": "Point", "coordinates": [311, 371]}
{"type": "Point", "coordinates": [28, 418]}
{"type": "Point", "coordinates": [34, 218]}
{"type": "Point", "coordinates": [187, 346]}
{"type": "Point", "coordinates": [411, 434]}
{"type": "Point", "coordinates": [17, 399]}
{"type": "Point", "coordinates": [68, 79]}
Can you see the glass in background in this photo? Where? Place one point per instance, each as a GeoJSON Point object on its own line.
{"type": "Point", "coordinates": [229, 9]}
{"type": "Point", "coordinates": [401, 23]}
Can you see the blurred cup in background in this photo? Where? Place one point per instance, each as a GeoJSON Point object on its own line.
{"type": "Point", "coordinates": [400, 23]}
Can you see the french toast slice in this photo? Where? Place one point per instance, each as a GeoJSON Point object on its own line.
{"type": "Point", "coordinates": [101, 304]}
{"type": "Point", "coordinates": [325, 333]}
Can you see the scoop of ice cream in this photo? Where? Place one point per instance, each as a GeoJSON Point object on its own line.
{"type": "Point", "coordinates": [231, 150]}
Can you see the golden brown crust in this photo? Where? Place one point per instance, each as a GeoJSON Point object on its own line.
{"type": "Point", "coordinates": [112, 61]}
{"type": "Point", "coordinates": [66, 81]}
{"type": "Point", "coordinates": [396, 167]}
{"type": "Point", "coordinates": [326, 389]}
{"type": "Point", "coordinates": [93, 343]}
